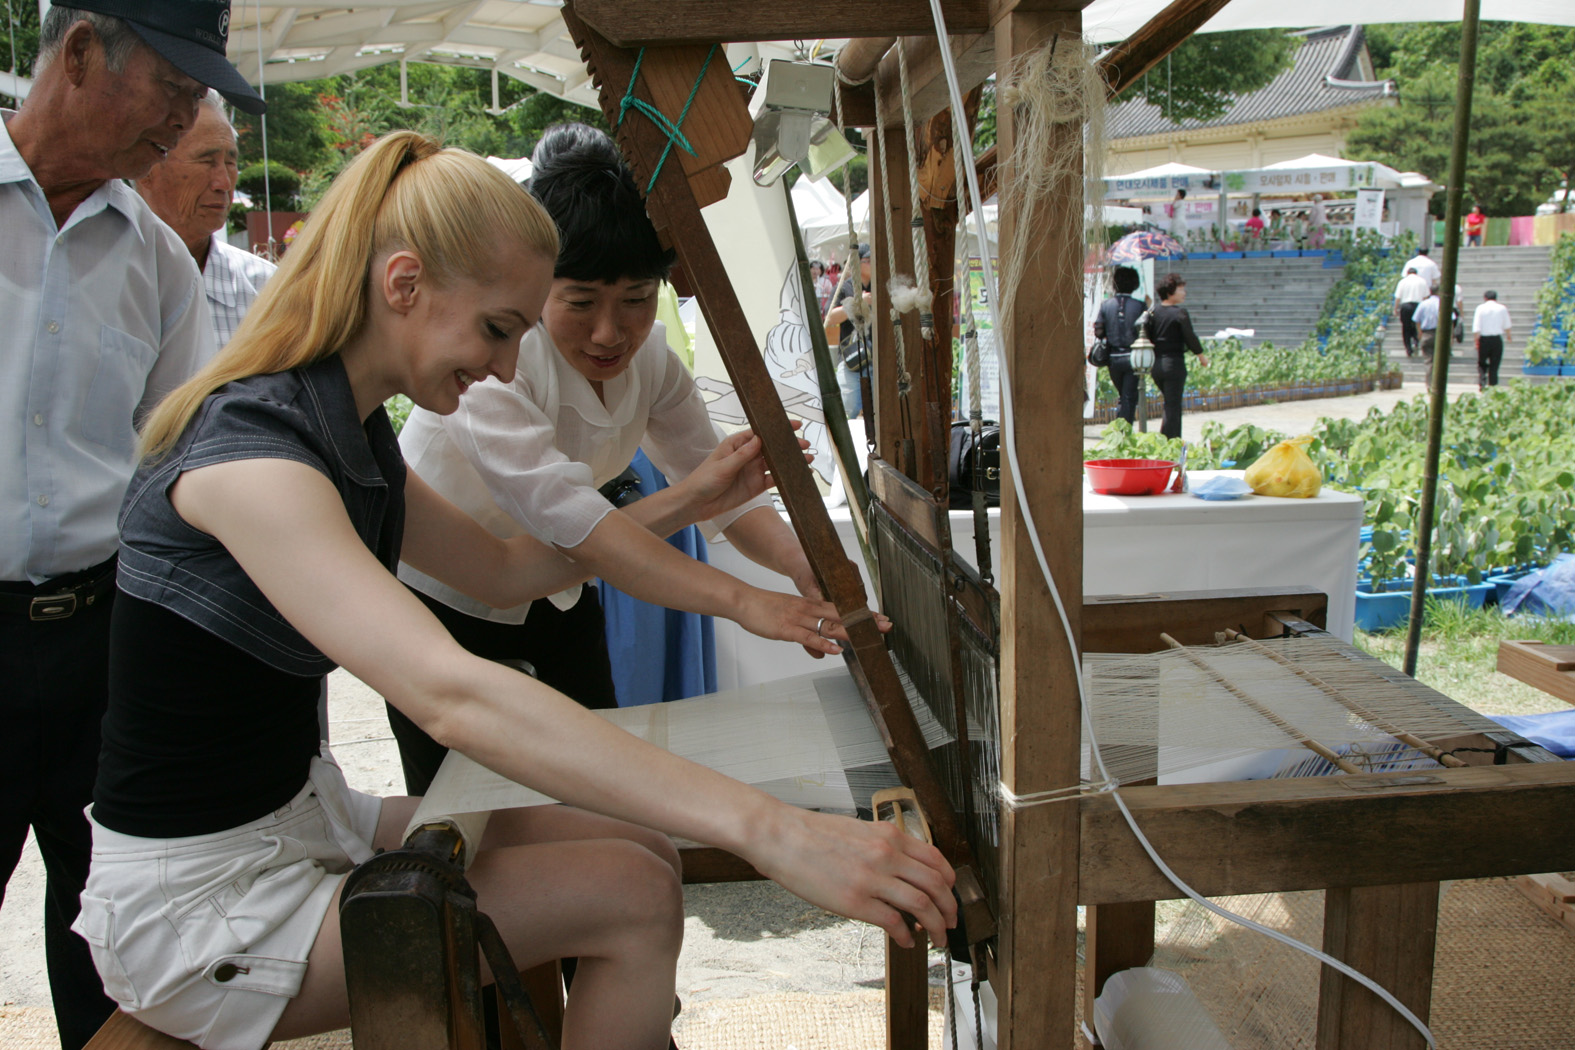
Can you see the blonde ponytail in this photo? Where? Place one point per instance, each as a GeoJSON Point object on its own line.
{"type": "Point", "coordinates": [450, 207]}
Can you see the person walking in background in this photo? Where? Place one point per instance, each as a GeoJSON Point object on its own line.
{"type": "Point", "coordinates": [823, 285]}
{"type": "Point", "coordinates": [191, 190]}
{"type": "Point", "coordinates": [1426, 320]}
{"type": "Point", "coordinates": [104, 314]}
{"type": "Point", "coordinates": [1491, 324]}
{"type": "Point", "coordinates": [1176, 211]}
{"type": "Point", "coordinates": [1411, 290]}
{"type": "Point", "coordinates": [1476, 222]}
{"type": "Point", "coordinates": [1425, 268]}
{"type": "Point", "coordinates": [850, 334]}
{"type": "Point", "coordinates": [1170, 330]}
{"type": "Point", "coordinates": [1117, 326]}
{"type": "Point", "coordinates": [1316, 219]}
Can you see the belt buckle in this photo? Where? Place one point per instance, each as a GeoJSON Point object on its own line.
{"type": "Point", "coordinates": [52, 606]}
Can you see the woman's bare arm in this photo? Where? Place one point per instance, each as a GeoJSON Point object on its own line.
{"type": "Point", "coordinates": [285, 525]}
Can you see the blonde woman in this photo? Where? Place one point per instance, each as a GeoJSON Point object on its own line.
{"type": "Point", "coordinates": [259, 540]}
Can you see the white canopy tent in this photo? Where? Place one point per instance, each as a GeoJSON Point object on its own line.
{"type": "Point", "coordinates": [1311, 174]}
{"type": "Point", "coordinates": [822, 214]}
{"type": "Point", "coordinates": [526, 39]}
{"type": "Point", "coordinates": [1108, 21]}
{"type": "Point", "coordinates": [1163, 180]}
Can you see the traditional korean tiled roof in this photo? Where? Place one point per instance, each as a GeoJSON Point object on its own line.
{"type": "Point", "coordinates": [1326, 74]}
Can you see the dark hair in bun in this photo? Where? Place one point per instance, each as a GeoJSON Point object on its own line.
{"type": "Point", "coordinates": [604, 232]}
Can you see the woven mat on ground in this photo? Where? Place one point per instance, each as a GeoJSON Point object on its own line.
{"type": "Point", "coordinates": [1502, 970]}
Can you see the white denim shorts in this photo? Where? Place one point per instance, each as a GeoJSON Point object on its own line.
{"type": "Point", "coordinates": [206, 938]}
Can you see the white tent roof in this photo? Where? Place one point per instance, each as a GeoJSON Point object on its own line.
{"type": "Point", "coordinates": [1161, 170]}
{"type": "Point", "coordinates": [1110, 20]}
{"type": "Point", "coordinates": [823, 217]}
{"type": "Point", "coordinates": [526, 39]}
{"type": "Point", "coordinates": [1312, 160]}
{"type": "Point", "coordinates": [1313, 172]}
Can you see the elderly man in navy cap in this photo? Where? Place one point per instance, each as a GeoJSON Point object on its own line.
{"type": "Point", "coordinates": [103, 314]}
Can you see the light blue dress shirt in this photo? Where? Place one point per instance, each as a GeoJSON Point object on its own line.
{"type": "Point", "coordinates": [1426, 316]}
{"type": "Point", "coordinates": [98, 320]}
{"type": "Point", "coordinates": [232, 278]}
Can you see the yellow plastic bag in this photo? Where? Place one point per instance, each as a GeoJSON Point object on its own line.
{"type": "Point", "coordinates": [1286, 470]}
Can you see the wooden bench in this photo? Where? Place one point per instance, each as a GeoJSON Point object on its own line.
{"type": "Point", "coordinates": [124, 1032]}
{"type": "Point", "coordinates": [1550, 668]}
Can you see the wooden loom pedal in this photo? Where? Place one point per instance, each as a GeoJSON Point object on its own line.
{"type": "Point", "coordinates": [674, 207]}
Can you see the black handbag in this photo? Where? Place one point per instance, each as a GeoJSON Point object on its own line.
{"type": "Point", "coordinates": [974, 465]}
{"type": "Point", "coordinates": [1099, 354]}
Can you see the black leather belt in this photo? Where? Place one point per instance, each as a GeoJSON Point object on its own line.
{"type": "Point", "coordinates": [59, 598]}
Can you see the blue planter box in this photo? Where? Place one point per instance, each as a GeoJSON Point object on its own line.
{"type": "Point", "coordinates": [1257, 255]}
{"type": "Point", "coordinates": [1391, 606]}
{"type": "Point", "coordinates": [1540, 370]}
{"type": "Point", "coordinates": [1227, 255]}
{"type": "Point", "coordinates": [1200, 255]}
{"type": "Point", "coordinates": [1314, 253]}
{"type": "Point", "coordinates": [1285, 254]}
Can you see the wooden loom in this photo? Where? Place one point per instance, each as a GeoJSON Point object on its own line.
{"type": "Point", "coordinates": [1379, 843]}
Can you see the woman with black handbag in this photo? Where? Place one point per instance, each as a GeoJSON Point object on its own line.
{"type": "Point", "coordinates": [1116, 327]}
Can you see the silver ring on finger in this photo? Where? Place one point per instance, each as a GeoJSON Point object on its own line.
{"type": "Point", "coordinates": [818, 625]}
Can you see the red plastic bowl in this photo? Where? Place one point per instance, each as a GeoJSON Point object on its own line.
{"type": "Point", "coordinates": [1129, 477]}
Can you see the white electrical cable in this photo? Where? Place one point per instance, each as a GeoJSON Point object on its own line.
{"type": "Point", "coordinates": [965, 138]}
{"type": "Point", "coordinates": [262, 92]}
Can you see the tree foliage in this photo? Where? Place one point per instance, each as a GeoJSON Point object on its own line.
{"type": "Point", "coordinates": [21, 30]}
{"type": "Point", "coordinates": [1522, 138]}
{"type": "Point", "coordinates": [1201, 78]}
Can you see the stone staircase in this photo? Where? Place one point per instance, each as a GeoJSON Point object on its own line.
{"type": "Point", "coordinates": [1515, 274]}
{"type": "Point", "coordinates": [1279, 298]}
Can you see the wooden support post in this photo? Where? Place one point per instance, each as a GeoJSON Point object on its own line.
{"type": "Point", "coordinates": [1116, 937]}
{"type": "Point", "coordinates": [907, 996]}
{"type": "Point", "coordinates": [1387, 933]}
{"type": "Point", "coordinates": [892, 212]}
{"type": "Point", "coordinates": [1037, 957]}
{"type": "Point", "coordinates": [940, 210]}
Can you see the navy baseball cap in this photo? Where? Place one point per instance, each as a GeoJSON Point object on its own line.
{"type": "Point", "coordinates": [192, 35]}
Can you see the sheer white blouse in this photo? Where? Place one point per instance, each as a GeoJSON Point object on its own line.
{"type": "Point", "coordinates": [528, 457]}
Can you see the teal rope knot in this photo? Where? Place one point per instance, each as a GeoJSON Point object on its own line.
{"type": "Point", "coordinates": [672, 129]}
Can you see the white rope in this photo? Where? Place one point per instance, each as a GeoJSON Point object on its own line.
{"type": "Point", "coordinates": [262, 91]}
{"type": "Point", "coordinates": [904, 380]}
{"type": "Point", "coordinates": [1009, 428]}
{"type": "Point", "coordinates": [921, 296]}
{"type": "Point", "coordinates": [962, 288]}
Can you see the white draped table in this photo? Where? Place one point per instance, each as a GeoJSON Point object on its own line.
{"type": "Point", "coordinates": [1131, 545]}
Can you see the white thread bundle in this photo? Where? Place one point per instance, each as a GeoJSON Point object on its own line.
{"type": "Point", "coordinates": [920, 297]}
{"type": "Point", "coordinates": [1046, 90]}
{"type": "Point", "coordinates": [904, 381]}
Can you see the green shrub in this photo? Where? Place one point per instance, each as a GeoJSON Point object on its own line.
{"type": "Point", "coordinates": [282, 183]}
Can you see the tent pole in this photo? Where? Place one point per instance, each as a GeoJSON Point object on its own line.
{"type": "Point", "coordinates": [1443, 348]}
